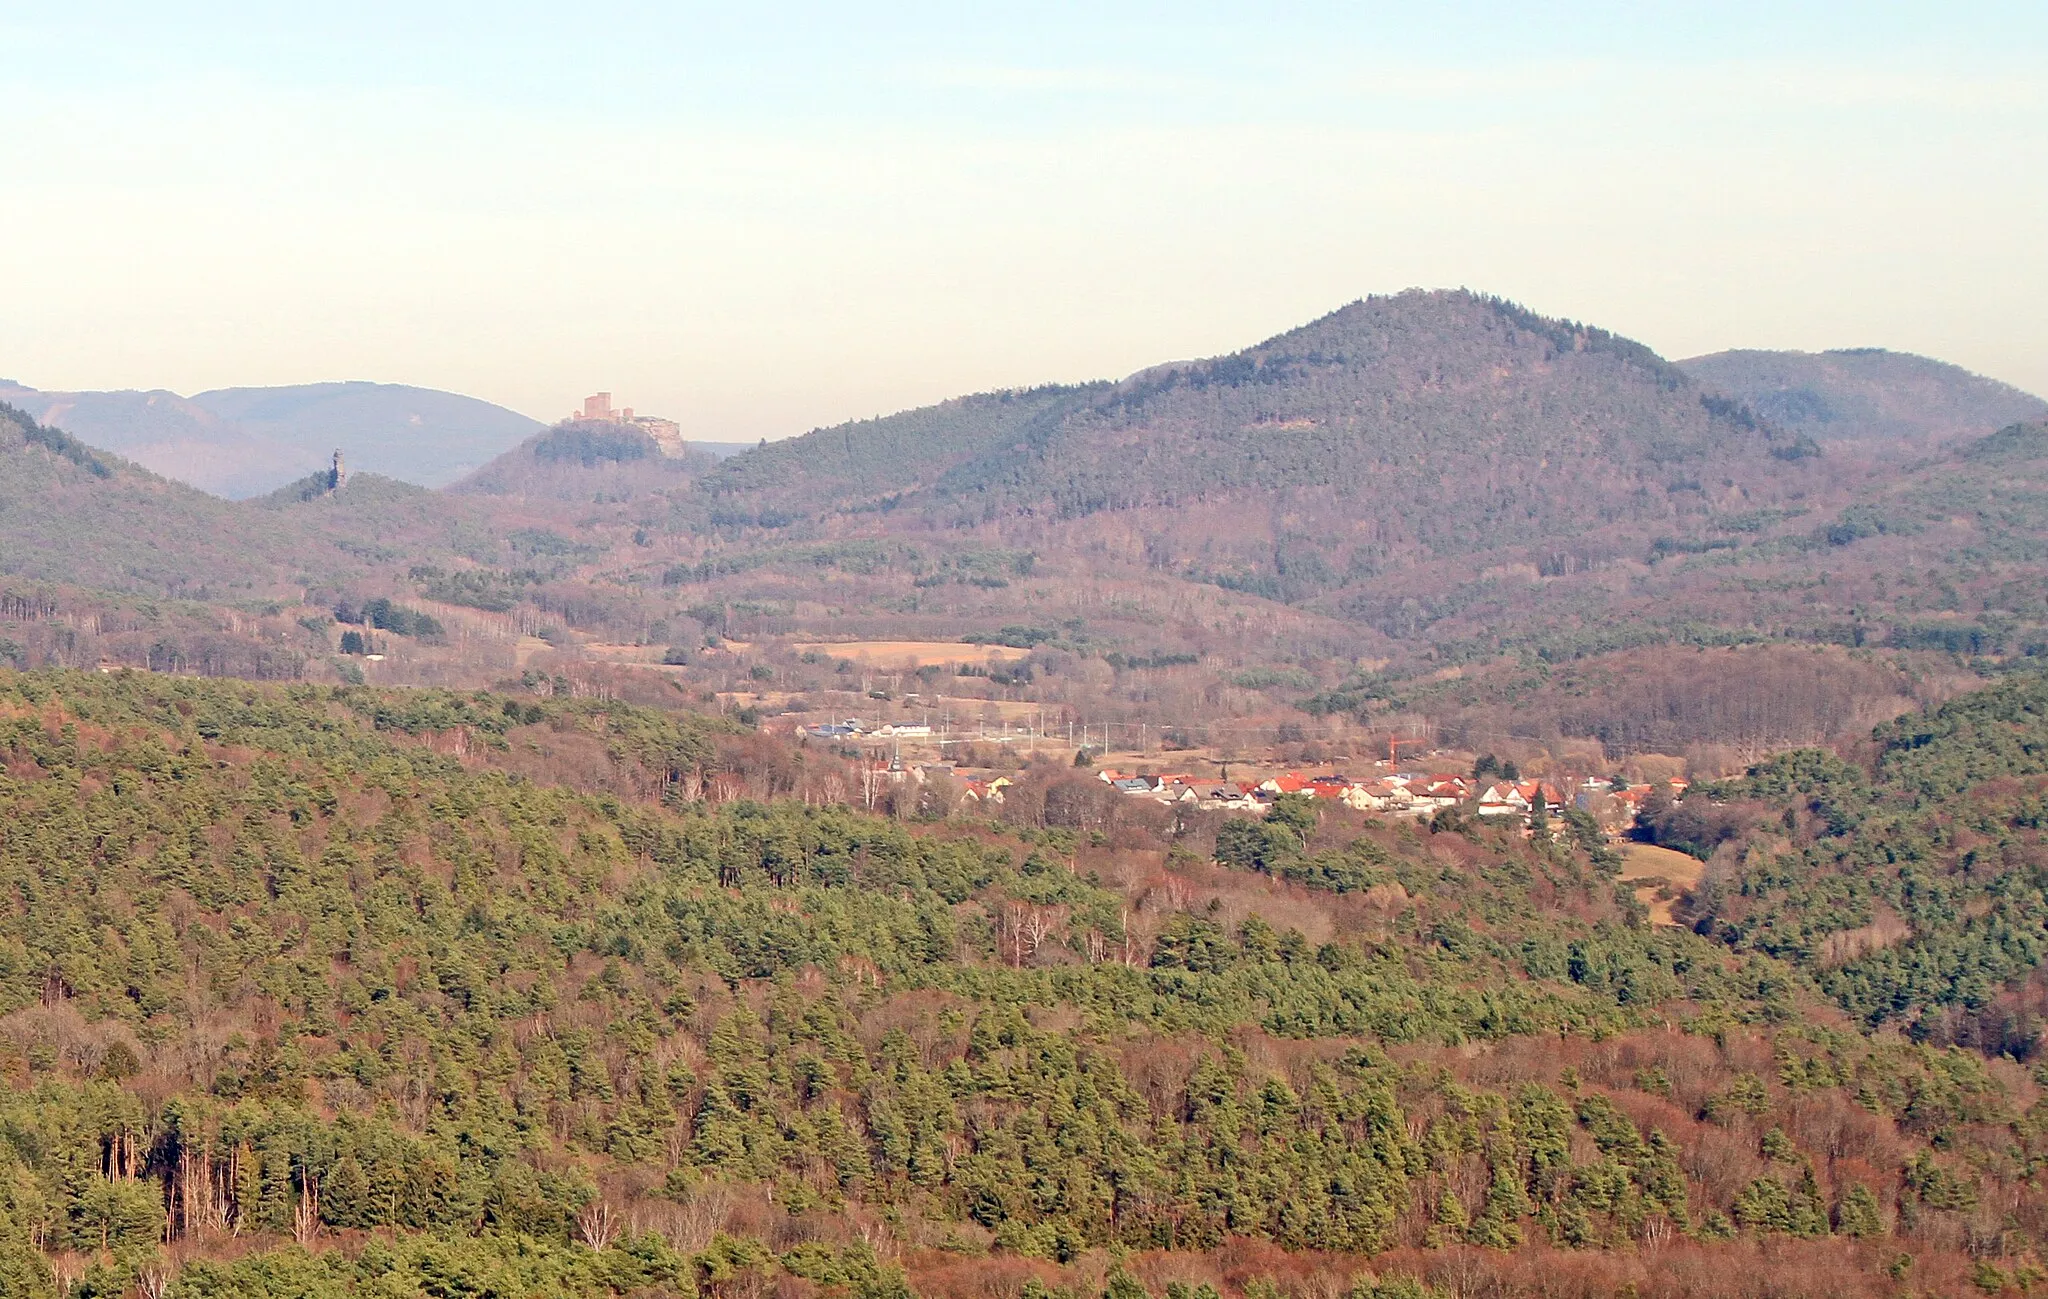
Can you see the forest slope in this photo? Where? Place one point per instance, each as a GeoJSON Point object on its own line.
{"type": "Point", "coordinates": [288, 985]}
{"type": "Point", "coordinates": [862, 464]}
{"type": "Point", "coordinates": [1404, 466]}
{"type": "Point", "coordinates": [1916, 891]}
{"type": "Point", "coordinates": [70, 513]}
{"type": "Point", "coordinates": [1450, 475]}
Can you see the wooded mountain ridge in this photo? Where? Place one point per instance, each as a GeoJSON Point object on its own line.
{"type": "Point", "coordinates": [1438, 468]}
{"type": "Point", "coordinates": [1414, 484]}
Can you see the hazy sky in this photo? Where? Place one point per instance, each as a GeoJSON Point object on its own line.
{"type": "Point", "coordinates": [762, 218]}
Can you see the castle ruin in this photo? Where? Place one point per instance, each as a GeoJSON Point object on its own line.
{"type": "Point", "coordinates": [666, 433]}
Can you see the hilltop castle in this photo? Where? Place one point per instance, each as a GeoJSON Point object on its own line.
{"type": "Point", "coordinates": [597, 409]}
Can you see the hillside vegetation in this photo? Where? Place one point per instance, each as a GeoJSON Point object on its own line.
{"type": "Point", "coordinates": [69, 512]}
{"type": "Point", "coordinates": [1429, 478]}
{"type": "Point", "coordinates": [314, 992]}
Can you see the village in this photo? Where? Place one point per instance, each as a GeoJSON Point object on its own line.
{"type": "Point", "coordinates": [1421, 790]}
{"type": "Point", "coordinates": [1410, 794]}
{"type": "Point", "coordinates": [1415, 795]}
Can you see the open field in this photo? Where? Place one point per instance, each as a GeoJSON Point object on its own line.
{"type": "Point", "coordinates": [528, 646]}
{"type": "Point", "coordinates": [1659, 876]}
{"type": "Point", "coordinates": [913, 653]}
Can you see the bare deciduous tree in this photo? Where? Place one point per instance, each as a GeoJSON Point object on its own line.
{"type": "Point", "coordinates": [306, 1218]}
{"type": "Point", "coordinates": [65, 1269]}
{"type": "Point", "coordinates": [703, 1216]}
{"type": "Point", "coordinates": [597, 1224]}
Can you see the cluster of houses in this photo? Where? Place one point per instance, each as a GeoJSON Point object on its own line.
{"type": "Point", "coordinates": [854, 729]}
{"type": "Point", "coordinates": [1397, 794]}
{"type": "Point", "coordinates": [1614, 804]}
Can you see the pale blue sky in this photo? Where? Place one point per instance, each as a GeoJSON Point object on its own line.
{"type": "Point", "coordinates": [761, 219]}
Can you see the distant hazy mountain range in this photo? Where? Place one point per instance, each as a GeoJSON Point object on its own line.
{"type": "Point", "coordinates": [1865, 394]}
{"type": "Point", "coordinates": [240, 442]}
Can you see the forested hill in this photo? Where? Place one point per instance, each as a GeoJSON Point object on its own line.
{"type": "Point", "coordinates": [1464, 421]}
{"type": "Point", "coordinates": [1428, 467]}
{"type": "Point", "coordinates": [577, 462]}
{"type": "Point", "coordinates": [310, 992]}
{"type": "Point", "coordinates": [1866, 395]}
{"type": "Point", "coordinates": [73, 513]}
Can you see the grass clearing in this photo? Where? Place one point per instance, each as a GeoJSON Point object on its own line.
{"type": "Point", "coordinates": [1659, 875]}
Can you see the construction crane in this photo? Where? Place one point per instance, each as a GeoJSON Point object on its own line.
{"type": "Point", "coordinates": [1394, 742]}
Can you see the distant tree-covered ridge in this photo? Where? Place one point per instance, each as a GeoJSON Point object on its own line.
{"type": "Point", "coordinates": [1439, 469]}
{"type": "Point", "coordinates": [301, 996]}
{"type": "Point", "coordinates": [1875, 399]}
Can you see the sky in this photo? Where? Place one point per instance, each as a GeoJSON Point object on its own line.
{"type": "Point", "coordinates": [759, 219]}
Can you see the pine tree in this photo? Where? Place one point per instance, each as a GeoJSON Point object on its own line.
{"type": "Point", "coordinates": [1857, 1213]}
{"type": "Point", "coordinates": [1808, 1217]}
{"type": "Point", "coordinates": [1764, 1207]}
{"type": "Point", "coordinates": [345, 1198]}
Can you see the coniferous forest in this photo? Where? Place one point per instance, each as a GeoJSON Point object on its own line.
{"type": "Point", "coordinates": [311, 991]}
